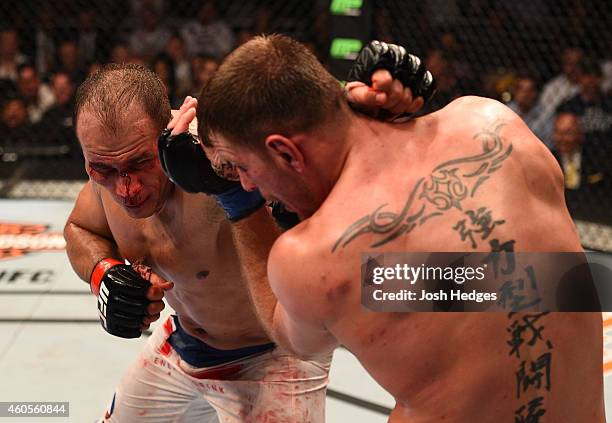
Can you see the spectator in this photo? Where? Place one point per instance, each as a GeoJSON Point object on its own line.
{"type": "Point", "coordinates": [203, 68]}
{"type": "Point", "coordinates": [37, 95]}
{"type": "Point", "coordinates": [15, 127]}
{"type": "Point", "coordinates": [63, 90]}
{"type": "Point", "coordinates": [150, 39]}
{"type": "Point", "coordinates": [10, 57]}
{"type": "Point", "coordinates": [447, 89]}
{"type": "Point", "coordinates": [91, 41]}
{"type": "Point", "coordinates": [564, 86]}
{"type": "Point", "coordinates": [525, 104]}
{"type": "Point", "coordinates": [56, 129]}
{"type": "Point", "coordinates": [44, 45]}
{"type": "Point", "coordinates": [454, 51]}
{"type": "Point", "coordinates": [569, 139]}
{"type": "Point", "coordinates": [592, 106]}
{"type": "Point", "coordinates": [182, 68]}
{"type": "Point", "coordinates": [587, 184]}
{"type": "Point", "coordinates": [68, 61]}
{"type": "Point", "coordinates": [120, 53]}
{"type": "Point", "coordinates": [56, 124]}
{"type": "Point", "coordinates": [209, 34]}
{"type": "Point", "coordinates": [164, 68]}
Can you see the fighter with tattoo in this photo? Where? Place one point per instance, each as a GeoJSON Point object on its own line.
{"type": "Point", "coordinates": [470, 177]}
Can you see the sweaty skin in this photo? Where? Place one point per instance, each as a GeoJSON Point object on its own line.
{"type": "Point", "coordinates": [451, 367]}
{"type": "Point", "coordinates": [208, 294]}
{"type": "Point", "coordinates": [127, 185]}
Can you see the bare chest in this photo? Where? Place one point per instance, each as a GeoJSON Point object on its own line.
{"type": "Point", "coordinates": [192, 248]}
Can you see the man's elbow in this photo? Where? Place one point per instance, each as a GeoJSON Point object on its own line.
{"type": "Point", "coordinates": [309, 348]}
{"type": "Point", "coordinates": [68, 231]}
{"type": "Point", "coordinates": [310, 352]}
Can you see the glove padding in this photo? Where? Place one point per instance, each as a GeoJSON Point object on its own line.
{"type": "Point", "coordinates": [185, 163]}
{"type": "Point", "coordinates": [122, 298]}
{"type": "Point", "coordinates": [407, 68]}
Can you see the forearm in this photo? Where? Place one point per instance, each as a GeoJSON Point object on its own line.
{"type": "Point", "coordinates": [85, 249]}
{"type": "Point", "coordinates": [254, 237]}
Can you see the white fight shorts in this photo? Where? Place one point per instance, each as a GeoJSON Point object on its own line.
{"type": "Point", "coordinates": [268, 385]}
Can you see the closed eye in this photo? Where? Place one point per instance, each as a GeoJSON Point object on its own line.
{"type": "Point", "coordinates": [142, 162]}
{"type": "Point", "coordinates": [100, 168]}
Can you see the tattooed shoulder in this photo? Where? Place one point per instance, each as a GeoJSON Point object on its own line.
{"type": "Point", "coordinates": [445, 188]}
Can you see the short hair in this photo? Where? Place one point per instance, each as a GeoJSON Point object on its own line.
{"type": "Point", "coordinates": [61, 72]}
{"type": "Point", "coordinates": [269, 84]}
{"type": "Point", "coordinates": [525, 75]}
{"type": "Point", "coordinates": [26, 65]}
{"type": "Point", "coordinates": [115, 87]}
{"type": "Point", "coordinates": [565, 114]}
{"type": "Point", "coordinates": [10, 99]}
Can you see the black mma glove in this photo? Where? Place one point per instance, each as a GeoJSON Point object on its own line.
{"type": "Point", "coordinates": [184, 161]}
{"type": "Point", "coordinates": [122, 297]}
{"type": "Point", "coordinates": [407, 68]}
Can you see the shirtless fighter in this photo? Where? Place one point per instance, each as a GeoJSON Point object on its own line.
{"type": "Point", "coordinates": [213, 356]}
{"type": "Point", "coordinates": [362, 185]}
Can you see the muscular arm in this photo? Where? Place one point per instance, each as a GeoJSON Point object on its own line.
{"type": "Point", "coordinates": [254, 237]}
{"type": "Point", "coordinates": [88, 237]}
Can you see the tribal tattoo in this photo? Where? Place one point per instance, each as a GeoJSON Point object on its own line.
{"type": "Point", "coordinates": [445, 188]}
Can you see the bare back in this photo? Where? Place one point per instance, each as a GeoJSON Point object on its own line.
{"type": "Point", "coordinates": [407, 190]}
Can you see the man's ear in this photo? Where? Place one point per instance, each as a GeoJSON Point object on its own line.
{"type": "Point", "coordinates": [285, 151]}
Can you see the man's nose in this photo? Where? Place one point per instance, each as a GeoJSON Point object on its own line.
{"type": "Point", "coordinates": [247, 184]}
{"type": "Point", "coordinates": [127, 185]}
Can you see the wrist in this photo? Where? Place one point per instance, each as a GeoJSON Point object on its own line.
{"type": "Point", "coordinates": [98, 272]}
{"type": "Point", "coordinates": [238, 203]}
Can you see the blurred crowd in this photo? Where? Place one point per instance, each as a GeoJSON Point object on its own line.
{"type": "Point", "coordinates": [548, 60]}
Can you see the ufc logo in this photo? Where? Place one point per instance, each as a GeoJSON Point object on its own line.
{"type": "Point", "coordinates": [102, 302]}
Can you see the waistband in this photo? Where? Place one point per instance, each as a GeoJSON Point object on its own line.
{"type": "Point", "coordinates": [197, 353]}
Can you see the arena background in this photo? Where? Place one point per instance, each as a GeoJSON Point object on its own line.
{"type": "Point", "coordinates": [544, 58]}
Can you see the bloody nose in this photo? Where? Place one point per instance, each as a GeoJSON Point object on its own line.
{"type": "Point", "coordinates": [127, 186]}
